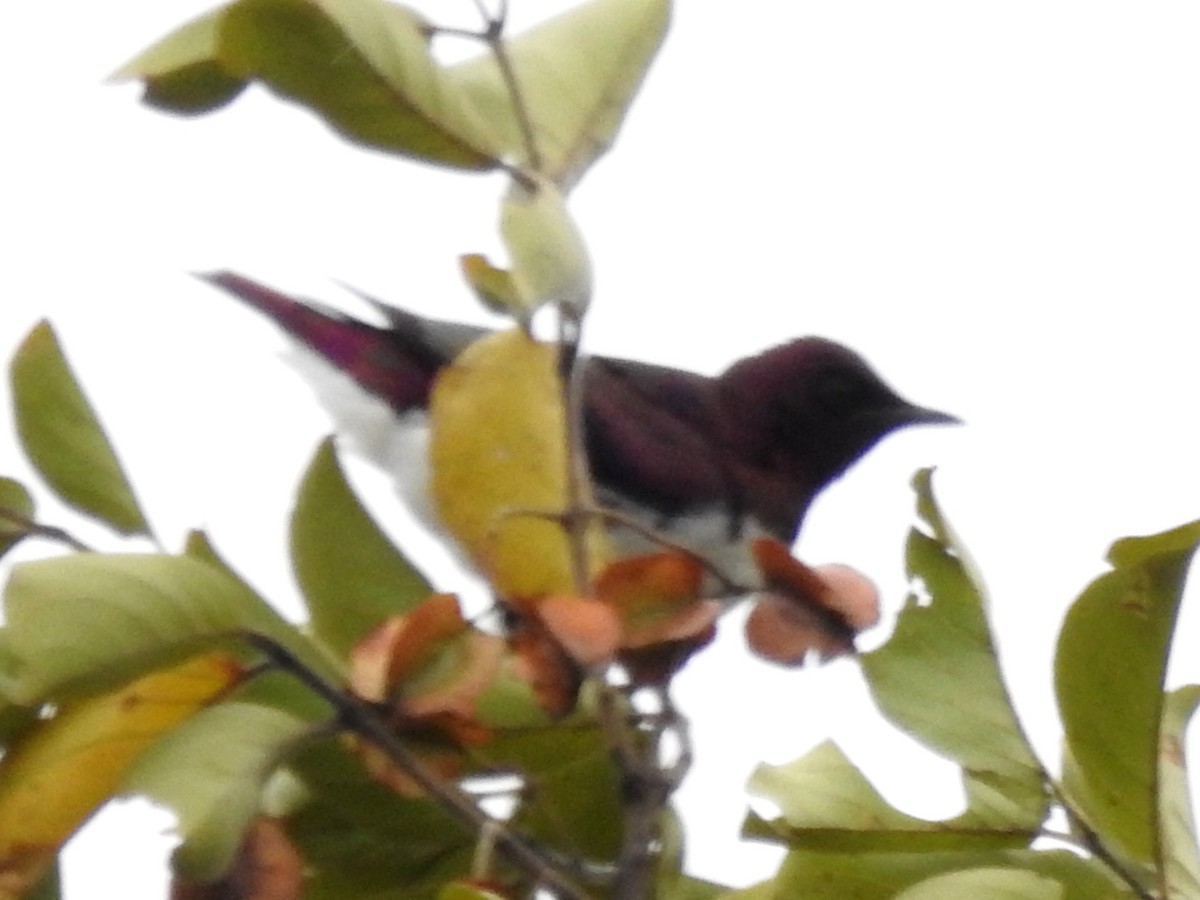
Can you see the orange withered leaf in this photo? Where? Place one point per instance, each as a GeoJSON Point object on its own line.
{"type": "Point", "coordinates": [589, 632]}
{"type": "Point", "coordinates": [554, 677]}
{"type": "Point", "coordinates": [803, 610]}
{"type": "Point", "coordinates": [429, 667]}
{"type": "Point", "coordinates": [664, 620]}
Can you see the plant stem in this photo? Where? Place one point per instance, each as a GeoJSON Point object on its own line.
{"type": "Point", "coordinates": [1090, 840]}
{"type": "Point", "coordinates": [50, 532]}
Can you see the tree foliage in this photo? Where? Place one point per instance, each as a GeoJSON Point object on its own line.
{"type": "Point", "coordinates": [351, 755]}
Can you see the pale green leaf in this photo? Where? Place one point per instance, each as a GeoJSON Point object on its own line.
{"type": "Point", "coordinates": [1176, 819]}
{"type": "Point", "coordinates": [278, 688]}
{"type": "Point", "coordinates": [817, 875]}
{"type": "Point", "coordinates": [826, 802]}
{"type": "Point", "coordinates": [985, 884]}
{"type": "Point", "coordinates": [549, 260]}
{"type": "Point", "coordinates": [16, 513]}
{"type": "Point", "coordinates": [82, 624]}
{"type": "Point", "coordinates": [577, 75]}
{"type": "Point", "coordinates": [1109, 671]}
{"type": "Point", "coordinates": [63, 438]}
{"type": "Point", "coordinates": [364, 66]}
{"type": "Point", "coordinates": [211, 772]}
{"type": "Point", "coordinates": [182, 73]}
{"type": "Point", "coordinates": [937, 678]}
{"type": "Point", "coordinates": [352, 576]}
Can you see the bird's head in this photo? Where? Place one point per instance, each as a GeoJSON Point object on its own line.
{"type": "Point", "coordinates": [812, 407]}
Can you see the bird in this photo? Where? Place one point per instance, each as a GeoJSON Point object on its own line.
{"type": "Point", "coordinates": [710, 463]}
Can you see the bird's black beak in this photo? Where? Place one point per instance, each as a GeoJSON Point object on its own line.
{"type": "Point", "coordinates": [923, 415]}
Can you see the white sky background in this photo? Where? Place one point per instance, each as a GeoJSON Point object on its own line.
{"type": "Point", "coordinates": [997, 204]}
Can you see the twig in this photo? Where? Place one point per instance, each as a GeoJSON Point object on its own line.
{"type": "Point", "coordinates": [645, 790]}
{"type": "Point", "coordinates": [578, 488]}
{"type": "Point", "coordinates": [50, 532]}
{"type": "Point", "coordinates": [729, 587]}
{"type": "Point", "coordinates": [359, 717]}
{"type": "Point", "coordinates": [493, 35]}
{"type": "Point", "coordinates": [1090, 840]}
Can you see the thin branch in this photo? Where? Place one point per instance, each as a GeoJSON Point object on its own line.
{"type": "Point", "coordinates": [1090, 840]}
{"type": "Point", "coordinates": [50, 532]}
{"type": "Point", "coordinates": [578, 487]}
{"type": "Point", "coordinates": [729, 587]}
{"type": "Point", "coordinates": [357, 716]}
{"type": "Point", "coordinates": [493, 36]}
{"type": "Point", "coordinates": [482, 10]}
{"type": "Point", "coordinates": [520, 111]}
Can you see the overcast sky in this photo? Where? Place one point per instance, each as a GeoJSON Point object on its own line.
{"type": "Point", "coordinates": [998, 204]}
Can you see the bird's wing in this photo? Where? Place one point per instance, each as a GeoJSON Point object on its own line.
{"type": "Point", "coordinates": [652, 437]}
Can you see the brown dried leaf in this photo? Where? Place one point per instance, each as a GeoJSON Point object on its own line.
{"type": "Point", "coordinates": [430, 667]}
{"type": "Point", "coordinates": [589, 631]}
{"type": "Point", "coordinates": [554, 677]}
{"type": "Point", "coordinates": [804, 610]}
{"type": "Point", "coordinates": [664, 620]}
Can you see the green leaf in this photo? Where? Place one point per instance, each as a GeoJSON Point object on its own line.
{"type": "Point", "coordinates": [63, 438]}
{"type": "Point", "coordinates": [83, 624]}
{"type": "Point", "coordinates": [16, 513]}
{"type": "Point", "coordinates": [816, 875]}
{"type": "Point", "coordinates": [688, 888]}
{"type": "Point", "coordinates": [462, 891]}
{"type": "Point", "coordinates": [359, 839]}
{"type": "Point", "coordinates": [1109, 672]}
{"type": "Point", "coordinates": [364, 66]}
{"type": "Point", "coordinates": [549, 260]}
{"type": "Point", "coordinates": [573, 800]}
{"type": "Point", "coordinates": [211, 772]}
{"type": "Point", "coordinates": [985, 884]}
{"type": "Point", "coordinates": [279, 688]}
{"type": "Point", "coordinates": [826, 802]}
{"type": "Point", "coordinates": [181, 71]}
{"type": "Point", "coordinates": [1176, 820]}
{"type": "Point", "coordinates": [15, 720]}
{"type": "Point", "coordinates": [352, 576]}
{"type": "Point", "coordinates": [938, 679]}
{"type": "Point", "coordinates": [577, 75]}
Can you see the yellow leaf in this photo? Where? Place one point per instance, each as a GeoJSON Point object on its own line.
{"type": "Point", "coordinates": [55, 777]}
{"type": "Point", "coordinates": [498, 453]}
